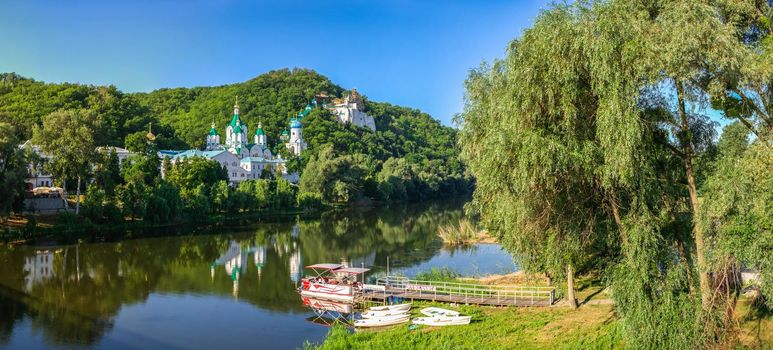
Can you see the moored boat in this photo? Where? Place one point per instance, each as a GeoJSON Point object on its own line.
{"type": "Point", "coordinates": [397, 307]}
{"type": "Point", "coordinates": [443, 320]}
{"type": "Point", "coordinates": [436, 311]}
{"type": "Point", "coordinates": [381, 321]}
{"type": "Point", "coordinates": [333, 282]}
{"type": "Point", "coordinates": [383, 313]}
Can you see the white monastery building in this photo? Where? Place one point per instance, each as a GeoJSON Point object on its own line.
{"type": "Point", "coordinates": [349, 110]}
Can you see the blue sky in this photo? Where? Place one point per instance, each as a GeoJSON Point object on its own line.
{"type": "Point", "coordinates": [411, 53]}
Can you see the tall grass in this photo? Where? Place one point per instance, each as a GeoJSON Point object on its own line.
{"type": "Point", "coordinates": [442, 274]}
{"type": "Point", "coordinates": [464, 232]}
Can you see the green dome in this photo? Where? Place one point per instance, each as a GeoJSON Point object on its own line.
{"type": "Point", "coordinates": [284, 132]}
{"type": "Point", "coordinates": [212, 132]}
{"type": "Point", "coordinates": [259, 131]}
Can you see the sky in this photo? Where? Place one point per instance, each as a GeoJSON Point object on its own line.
{"type": "Point", "coordinates": [409, 53]}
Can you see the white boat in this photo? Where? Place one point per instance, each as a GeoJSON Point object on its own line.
{"type": "Point", "coordinates": [436, 311]}
{"type": "Point", "coordinates": [397, 307]}
{"type": "Point", "coordinates": [384, 313]}
{"type": "Point", "coordinates": [382, 321]}
{"type": "Point", "coordinates": [333, 282]}
{"type": "Point", "coordinates": [443, 320]}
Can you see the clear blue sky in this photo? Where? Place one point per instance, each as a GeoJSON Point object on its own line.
{"type": "Point", "coordinates": [411, 53]}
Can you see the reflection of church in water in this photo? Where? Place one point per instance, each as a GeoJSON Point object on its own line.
{"type": "Point", "coordinates": [38, 268]}
{"type": "Point", "coordinates": [235, 259]}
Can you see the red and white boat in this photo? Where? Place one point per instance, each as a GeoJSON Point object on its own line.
{"type": "Point", "coordinates": [333, 282]}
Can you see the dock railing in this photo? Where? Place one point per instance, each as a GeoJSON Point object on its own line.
{"type": "Point", "coordinates": [468, 293]}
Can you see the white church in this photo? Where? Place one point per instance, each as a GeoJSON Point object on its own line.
{"type": "Point", "coordinates": [245, 160]}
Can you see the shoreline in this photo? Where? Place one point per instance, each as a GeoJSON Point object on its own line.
{"type": "Point", "coordinates": [62, 233]}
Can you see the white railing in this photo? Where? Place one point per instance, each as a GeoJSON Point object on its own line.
{"type": "Point", "coordinates": [467, 292]}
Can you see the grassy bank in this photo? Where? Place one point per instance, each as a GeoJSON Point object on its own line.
{"type": "Point", "coordinates": [595, 325]}
{"type": "Point", "coordinates": [592, 327]}
{"type": "Point", "coordinates": [67, 227]}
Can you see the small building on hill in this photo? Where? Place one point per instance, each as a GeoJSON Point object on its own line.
{"type": "Point", "coordinates": [350, 110]}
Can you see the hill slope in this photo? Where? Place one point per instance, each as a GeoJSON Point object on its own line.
{"type": "Point", "coordinates": [181, 118]}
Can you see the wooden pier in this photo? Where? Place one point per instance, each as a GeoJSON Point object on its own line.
{"type": "Point", "coordinates": [462, 293]}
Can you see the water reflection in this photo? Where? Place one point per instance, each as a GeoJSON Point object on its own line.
{"type": "Point", "coordinates": [90, 294]}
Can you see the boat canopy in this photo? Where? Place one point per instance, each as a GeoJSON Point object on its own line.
{"type": "Point", "coordinates": [352, 270]}
{"type": "Point", "coordinates": [324, 266]}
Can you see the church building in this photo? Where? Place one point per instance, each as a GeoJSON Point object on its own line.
{"type": "Point", "coordinates": [242, 157]}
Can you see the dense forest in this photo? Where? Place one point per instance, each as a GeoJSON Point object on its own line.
{"type": "Point", "coordinates": [411, 156]}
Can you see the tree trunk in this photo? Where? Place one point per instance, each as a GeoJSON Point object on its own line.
{"type": "Point", "coordinates": [687, 149]}
{"type": "Point", "coordinates": [617, 217]}
{"type": "Point", "coordinates": [570, 287]}
{"type": "Point", "coordinates": [78, 197]}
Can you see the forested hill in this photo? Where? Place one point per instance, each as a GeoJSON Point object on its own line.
{"type": "Point", "coordinates": [181, 118]}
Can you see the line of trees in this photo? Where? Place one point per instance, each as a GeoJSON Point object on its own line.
{"type": "Point", "coordinates": [193, 189]}
{"type": "Point", "coordinates": [591, 149]}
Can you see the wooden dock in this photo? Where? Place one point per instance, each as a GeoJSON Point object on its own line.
{"type": "Point", "coordinates": [462, 293]}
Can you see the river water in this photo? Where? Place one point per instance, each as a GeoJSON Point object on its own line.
{"type": "Point", "coordinates": [215, 288]}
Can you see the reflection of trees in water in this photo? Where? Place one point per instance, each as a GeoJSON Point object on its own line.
{"type": "Point", "coordinates": [76, 303]}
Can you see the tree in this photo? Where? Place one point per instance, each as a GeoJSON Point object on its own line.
{"type": "Point", "coordinates": [68, 138]}
{"type": "Point", "coordinates": [738, 209]}
{"type": "Point", "coordinates": [107, 171]}
{"type": "Point", "coordinates": [221, 196]}
{"type": "Point", "coordinates": [571, 142]}
{"type": "Point", "coordinates": [13, 169]}
{"type": "Point", "coordinates": [335, 178]}
{"type": "Point", "coordinates": [189, 173]}
{"type": "Point", "coordinates": [262, 193]}
{"type": "Point", "coordinates": [284, 195]}
{"type": "Point", "coordinates": [134, 198]}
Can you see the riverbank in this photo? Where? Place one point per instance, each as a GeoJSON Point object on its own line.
{"type": "Point", "coordinates": [595, 325]}
{"type": "Point", "coordinates": [66, 227]}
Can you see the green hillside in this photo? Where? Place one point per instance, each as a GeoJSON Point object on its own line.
{"type": "Point", "coordinates": [424, 150]}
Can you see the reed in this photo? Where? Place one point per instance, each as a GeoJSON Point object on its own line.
{"type": "Point", "coordinates": [463, 232]}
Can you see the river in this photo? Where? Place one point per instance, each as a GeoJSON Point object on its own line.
{"type": "Point", "coordinates": [214, 288]}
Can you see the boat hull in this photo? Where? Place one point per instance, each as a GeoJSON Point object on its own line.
{"type": "Point", "coordinates": [381, 321]}
{"type": "Point", "coordinates": [399, 307]}
{"type": "Point", "coordinates": [443, 321]}
{"type": "Point", "coordinates": [438, 312]}
{"type": "Point", "coordinates": [385, 313]}
{"type": "Point", "coordinates": [327, 296]}
{"type": "Point", "coordinates": [327, 291]}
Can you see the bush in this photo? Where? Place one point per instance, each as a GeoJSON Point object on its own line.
{"type": "Point", "coordinates": [308, 200]}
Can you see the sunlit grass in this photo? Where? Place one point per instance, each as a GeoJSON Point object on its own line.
{"type": "Point", "coordinates": [594, 327]}
{"type": "Point", "coordinates": [464, 232]}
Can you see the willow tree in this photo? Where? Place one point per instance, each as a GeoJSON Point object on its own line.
{"type": "Point", "coordinates": [528, 136]}
{"type": "Point", "coordinates": [588, 135]}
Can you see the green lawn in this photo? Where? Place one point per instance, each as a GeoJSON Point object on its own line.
{"type": "Point", "coordinates": [591, 327]}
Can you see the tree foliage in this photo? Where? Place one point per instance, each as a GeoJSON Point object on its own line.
{"type": "Point", "coordinates": [588, 140]}
{"type": "Point", "coordinates": [13, 169]}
